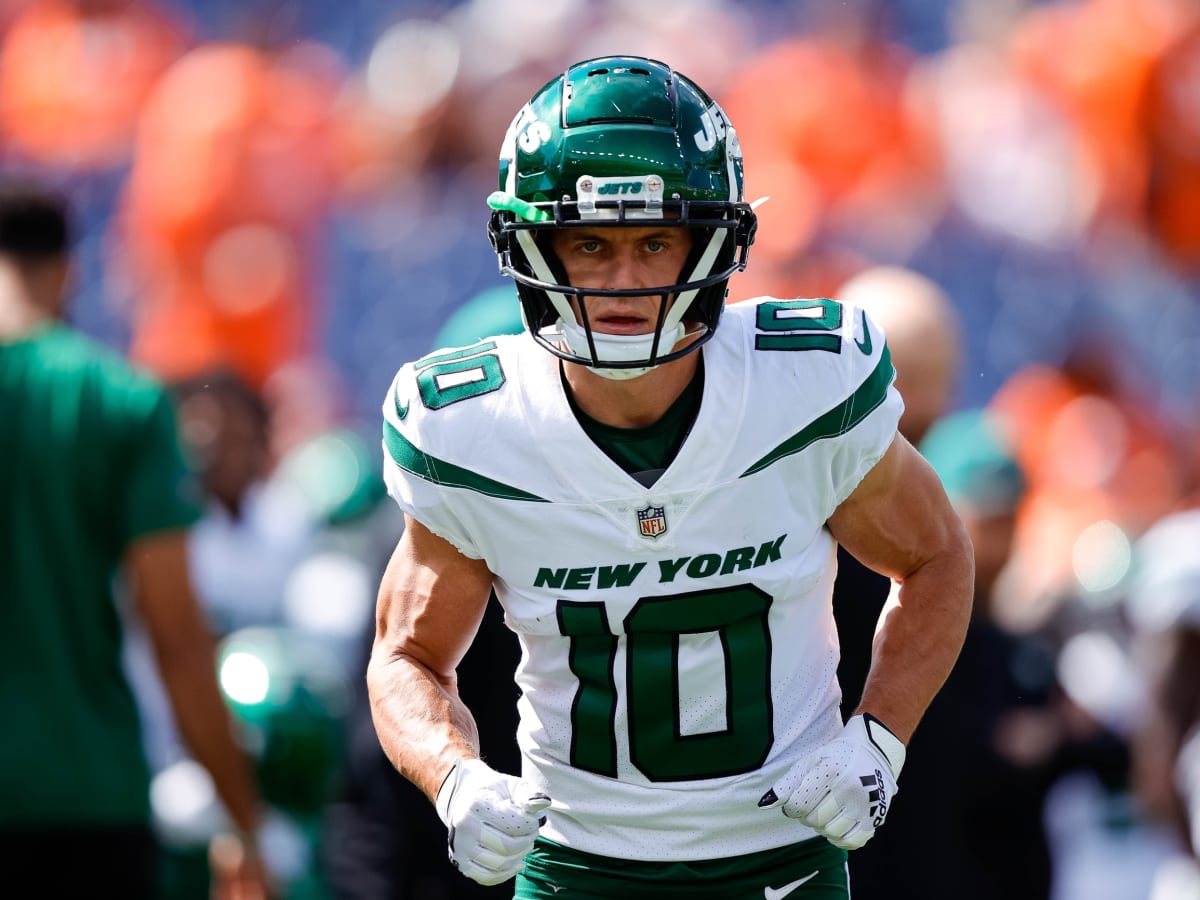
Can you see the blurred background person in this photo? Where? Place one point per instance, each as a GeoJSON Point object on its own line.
{"type": "Point", "coordinates": [1097, 455]}
{"type": "Point", "coordinates": [284, 560]}
{"type": "Point", "coordinates": [833, 151]}
{"type": "Point", "coordinates": [229, 184]}
{"type": "Point", "coordinates": [1000, 731]}
{"type": "Point", "coordinates": [1164, 608]}
{"type": "Point", "coordinates": [256, 527]}
{"type": "Point", "coordinates": [961, 732]}
{"type": "Point", "coordinates": [97, 486]}
{"type": "Point", "coordinates": [75, 73]}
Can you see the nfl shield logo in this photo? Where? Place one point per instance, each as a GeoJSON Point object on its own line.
{"type": "Point", "coordinates": [652, 521]}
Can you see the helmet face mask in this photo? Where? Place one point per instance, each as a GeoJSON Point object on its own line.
{"type": "Point", "coordinates": [620, 142]}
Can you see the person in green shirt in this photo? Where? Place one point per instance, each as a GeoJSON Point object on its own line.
{"type": "Point", "coordinates": [94, 488]}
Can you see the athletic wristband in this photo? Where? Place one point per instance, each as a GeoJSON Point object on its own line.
{"type": "Point", "coordinates": [446, 792]}
{"type": "Point", "coordinates": [885, 742]}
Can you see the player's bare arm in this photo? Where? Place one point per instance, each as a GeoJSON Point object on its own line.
{"type": "Point", "coordinates": [899, 522]}
{"type": "Point", "coordinates": [431, 601]}
{"type": "Point", "coordinates": [183, 649]}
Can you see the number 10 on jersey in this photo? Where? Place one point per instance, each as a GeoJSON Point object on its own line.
{"type": "Point", "coordinates": [654, 628]}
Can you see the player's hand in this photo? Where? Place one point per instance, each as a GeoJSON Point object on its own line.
{"type": "Point", "coordinates": [238, 873]}
{"type": "Point", "coordinates": [844, 788]}
{"type": "Point", "coordinates": [492, 818]}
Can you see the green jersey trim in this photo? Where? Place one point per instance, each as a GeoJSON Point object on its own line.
{"type": "Point", "coordinates": [410, 458]}
{"type": "Point", "coordinates": [839, 420]}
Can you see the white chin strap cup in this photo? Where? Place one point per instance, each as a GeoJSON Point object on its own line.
{"type": "Point", "coordinates": [617, 347]}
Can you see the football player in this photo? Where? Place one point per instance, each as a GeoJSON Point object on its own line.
{"type": "Point", "coordinates": [656, 484]}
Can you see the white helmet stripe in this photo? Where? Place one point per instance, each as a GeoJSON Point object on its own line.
{"type": "Point", "coordinates": [732, 153]}
{"type": "Point", "coordinates": [541, 271]}
{"type": "Point", "coordinates": [508, 148]}
{"type": "Point", "coordinates": [703, 267]}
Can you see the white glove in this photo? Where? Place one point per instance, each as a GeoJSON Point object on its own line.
{"type": "Point", "coordinates": [843, 789]}
{"type": "Point", "coordinates": [492, 818]}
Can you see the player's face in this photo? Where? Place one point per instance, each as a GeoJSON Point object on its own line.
{"type": "Point", "coordinates": [620, 258]}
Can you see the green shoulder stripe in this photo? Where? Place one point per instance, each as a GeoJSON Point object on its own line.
{"type": "Point", "coordinates": [838, 420]}
{"type": "Point", "coordinates": [409, 457]}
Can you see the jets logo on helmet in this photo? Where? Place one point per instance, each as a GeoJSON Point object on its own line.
{"type": "Point", "coordinates": [534, 136]}
{"type": "Point", "coordinates": [622, 141]}
{"type": "Point", "coordinates": [716, 127]}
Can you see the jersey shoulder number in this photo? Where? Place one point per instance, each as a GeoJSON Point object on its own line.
{"type": "Point", "coordinates": [816, 323]}
{"type": "Point", "coordinates": [450, 376]}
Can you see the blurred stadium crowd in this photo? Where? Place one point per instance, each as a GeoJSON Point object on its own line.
{"type": "Point", "coordinates": [280, 202]}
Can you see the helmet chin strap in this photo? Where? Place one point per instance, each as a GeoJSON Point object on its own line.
{"type": "Point", "coordinates": [618, 347]}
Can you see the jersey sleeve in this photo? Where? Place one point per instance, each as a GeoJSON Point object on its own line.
{"type": "Point", "coordinates": [161, 490]}
{"type": "Point", "coordinates": [824, 402]}
{"type": "Point", "coordinates": [870, 414]}
{"type": "Point", "coordinates": [411, 472]}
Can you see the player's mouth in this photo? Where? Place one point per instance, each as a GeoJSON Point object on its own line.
{"type": "Point", "coordinates": [622, 324]}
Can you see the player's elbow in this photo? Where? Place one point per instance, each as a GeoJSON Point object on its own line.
{"type": "Point", "coordinates": [956, 565]}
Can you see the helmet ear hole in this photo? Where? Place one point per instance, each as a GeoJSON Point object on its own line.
{"type": "Point", "coordinates": [497, 235]}
{"type": "Point", "coordinates": [746, 228]}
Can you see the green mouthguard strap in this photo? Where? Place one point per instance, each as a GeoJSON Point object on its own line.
{"type": "Point", "coordinates": [503, 202]}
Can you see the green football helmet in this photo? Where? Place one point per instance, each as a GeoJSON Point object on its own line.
{"type": "Point", "coordinates": [289, 698]}
{"type": "Point", "coordinates": [622, 141]}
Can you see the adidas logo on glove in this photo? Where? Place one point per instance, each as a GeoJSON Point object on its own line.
{"type": "Point", "coordinates": [878, 797]}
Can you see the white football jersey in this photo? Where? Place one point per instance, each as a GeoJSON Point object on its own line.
{"type": "Point", "coordinates": [678, 645]}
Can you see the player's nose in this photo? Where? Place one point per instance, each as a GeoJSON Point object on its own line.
{"type": "Point", "coordinates": [626, 270]}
